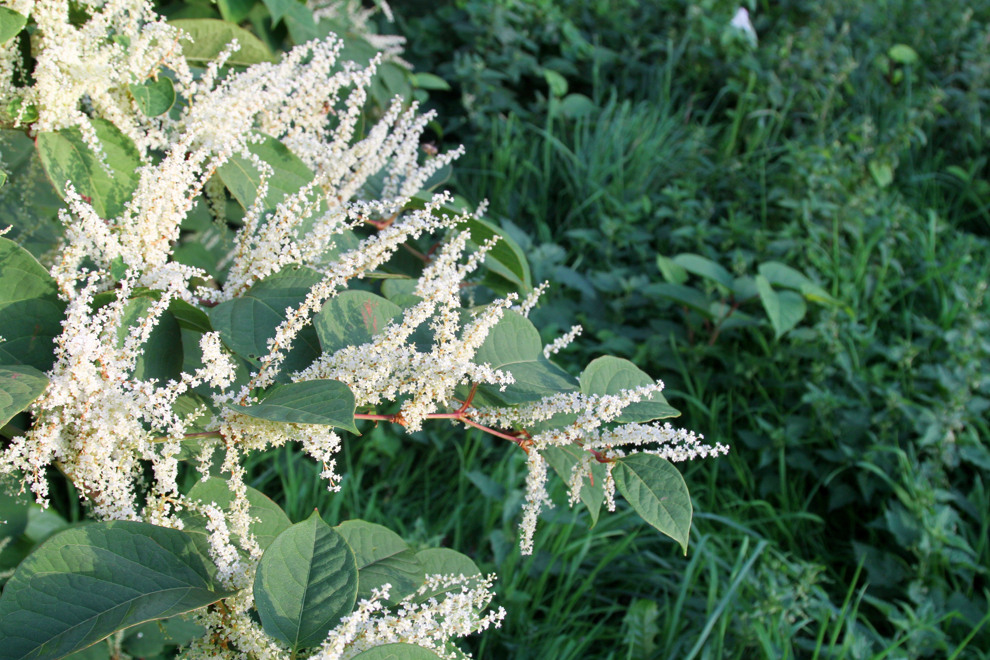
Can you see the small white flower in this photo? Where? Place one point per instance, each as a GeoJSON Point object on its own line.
{"type": "Point", "coordinates": [741, 22]}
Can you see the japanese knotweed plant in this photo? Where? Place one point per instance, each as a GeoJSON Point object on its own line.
{"type": "Point", "coordinates": [247, 261]}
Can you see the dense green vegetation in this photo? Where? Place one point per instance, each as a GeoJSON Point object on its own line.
{"type": "Point", "coordinates": [794, 235]}
{"type": "Point", "coordinates": [851, 519]}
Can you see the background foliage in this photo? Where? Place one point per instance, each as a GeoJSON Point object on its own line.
{"type": "Point", "coordinates": [655, 166]}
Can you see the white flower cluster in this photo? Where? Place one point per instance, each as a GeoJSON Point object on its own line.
{"type": "Point", "coordinates": [95, 419]}
{"type": "Point", "coordinates": [90, 65]}
{"type": "Point", "coordinates": [600, 441]}
{"type": "Point", "coordinates": [431, 622]}
{"type": "Point", "coordinates": [391, 366]}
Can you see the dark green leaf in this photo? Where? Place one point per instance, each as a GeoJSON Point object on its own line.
{"type": "Point", "coordinates": [352, 318]}
{"type": "Point", "coordinates": [672, 271]}
{"type": "Point", "coordinates": [382, 557]}
{"type": "Point", "coordinates": [268, 518]}
{"type": "Point", "coordinates": [782, 275]}
{"type": "Point", "coordinates": [161, 356]}
{"type": "Point", "coordinates": [694, 263]}
{"type": "Point", "coordinates": [430, 81]}
{"type": "Point", "coordinates": [154, 97]}
{"type": "Point", "coordinates": [611, 375]}
{"type": "Point", "coordinates": [397, 651]}
{"type": "Point", "coordinates": [562, 460]}
{"type": "Point", "coordinates": [20, 385]}
{"type": "Point", "coordinates": [211, 36]}
{"type": "Point", "coordinates": [189, 317]}
{"type": "Point", "coordinates": [68, 159]}
{"type": "Point", "coordinates": [242, 178]}
{"type": "Point", "coordinates": [681, 294]}
{"type": "Point", "coordinates": [235, 11]}
{"type": "Point", "coordinates": [784, 309]}
{"type": "Point", "coordinates": [325, 402]}
{"type": "Point", "coordinates": [30, 311]}
{"type": "Point", "coordinates": [246, 323]}
{"type": "Point", "coordinates": [88, 582]}
{"type": "Point", "coordinates": [514, 345]}
{"type": "Point", "coordinates": [306, 581]}
{"type": "Point", "coordinates": [657, 492]}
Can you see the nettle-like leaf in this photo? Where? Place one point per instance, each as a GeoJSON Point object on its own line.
{"type": "Point", "coordinates": [20, 385]}
{"type": "Point", "coordinates": [382, 557]}
{"type": "Point", "coordinates": [268, 520]}
{"type": "Point", "coordinates": [247, 323]}
{"type": "Point", "coordinates": [514, 345]}
{"type": "Point", "coordinates": [657, 492]}
{"type": "Point", "coordinates": [88, 582]}
{"type": "Point", "coordinates": [397, 651]}
{"type": "Point", "coordinates": [612, 375]}
{"type": "Point", "coordinates": [68, 159]}
{"type": "Point", "coordinates": [306, 581]}
{"type": "Point", "coordinates": [30, 311]}
{"type": "Point", "coordinates": [324, 402]}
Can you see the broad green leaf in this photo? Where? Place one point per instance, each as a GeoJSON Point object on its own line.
{"type": "Point", "coordinates": [88, 582]}
{"type": "Point", "coordinates": [10, 24]}
{"type": "Point", "coordinates": [30, 311]}
{"type": "Point", "coordinates": [444, 561]}
{"type": "Point", "coordinates": [694, 263]}
{"type": "Point", "coordinates": [505, 259]}
{"type": "Point", "coordinates": [784, 308]}
{"type": "Point", "coordinates": [161, 354]}
{"type": "Point", "coordinates": [611, 375]}
{"type": "Point", "coordinates": [235, 11]}
{"type": "Point", "coordinates": [556, 82]}
{"type": "Point", "coordinates": [430, 81]}
{"type": "Point", "coordinates": [902, 54]}
{"type": "Point", "coordinates": [514, 345]}
{"type": "Point", "coordinates": [20, 385]}
{"type": "Point", "coordinates": [382, 557]}
{"type": "Point", "coordinates": [268, 519]}
{"type": "Point", "coordinates": [397, 651]}
{"type": "Point", "coordinates": [306, 581]}
{"type": "Point", "coordinates": [68, 159]}
{"type": "Point", "coordinates": [577, 106]}
{"type": "Point", "coordinates": [242, 178]}
{"type": "Point", "coordinates": [324, 402]}
{"type": "Point", "coordinates": [154, 97]}
{"type": "Point", "coordinates": [562, 460]}
{"type": "Point", "coordinates": [246, 323]}
{"type": "Point", "coordinates": [211, 36]}
{"type": "Point", "coordinates": [782, 275]}
{"type": "Point", "coordinates": [682, 295]}
{"type": "Point", "coordinates": [657, 492]}
{"type": "Point", "coordinates": [671, 270]}
{"type": "Point", "coordinates": [279, 8]}
{"type": "Point", "coordinates": [144, 641]}
{"type": "Point", "coordinates": [190, 317]}
{"type": "Point", "coordinates": [352, 318]}
{"type": "Point", "coordinates": [299, 21]}
{"type": "Point", "coordinates": [15, 512]}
